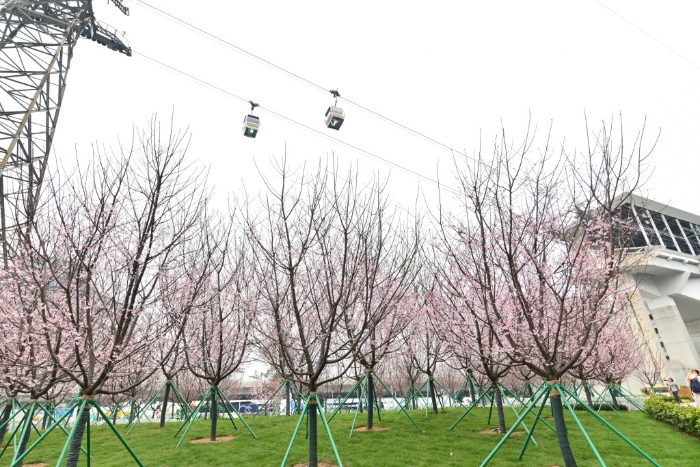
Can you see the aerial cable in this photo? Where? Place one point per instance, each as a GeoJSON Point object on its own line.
{"type": "Point", "coordinates": [231, 45]}
{"type": "Point", "coordinates": [300, 78]}
{"type": "Point", "coordinates": [299, 124]}
{"type": "Point", "coordinates": [693, 64]}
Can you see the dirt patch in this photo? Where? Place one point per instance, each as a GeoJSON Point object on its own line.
{"type": "Point", "coordinates": [320, 464]}
{"type": "Point", "coordinates": [374, 428]}
{"type": "Point", "coordinates": [40, 464]}
{"type": "Point", "coordinates": [219, 439]}
{"type": "Point", "coordinates": [495, 432]}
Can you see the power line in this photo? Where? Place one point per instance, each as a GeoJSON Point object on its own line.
{"type": "Point", "coordinates": [299, 124]}
{"type": "Point", "coordinates": [297, 77]}
{"type": "Point", "coordinates": [646, 34]}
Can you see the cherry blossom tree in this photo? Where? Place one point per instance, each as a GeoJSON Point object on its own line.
{"type": "Point", "coordinates": [423, 336]}
{"type": "Point", "coordinates": [106, 234]}
{"type": "Point", "coordinates": [617, 356]}
{"type": "Point", "coordinates": [467, 327]}
{"type": "Point", "coordinates": [400, 373]}
{"type": "Point", "coordinates": [550, 229]}
{"type": "Point", "coordinates": [216, 336]}
{"type": "Point", "coordinates": [308, 239]}
{"type": "Point", "coordinates": [390, 252]}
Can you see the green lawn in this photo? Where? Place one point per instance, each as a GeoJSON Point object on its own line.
{"type": "Point", "coordinates": [400, 445]}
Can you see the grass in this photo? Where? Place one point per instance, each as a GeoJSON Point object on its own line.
{"type": "Point", "coordinates": [400, 445]}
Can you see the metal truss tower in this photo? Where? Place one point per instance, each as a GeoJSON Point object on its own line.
{"type": "Point", "coordinates": [37, 44]}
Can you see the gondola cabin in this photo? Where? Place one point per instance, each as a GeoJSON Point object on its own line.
{"type": "Point", "coordinates": [334, 117]}
{"type": "Point", "coordinates": [251, 124]}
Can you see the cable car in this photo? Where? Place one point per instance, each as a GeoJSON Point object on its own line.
{"type": "Point", "coordinates": [334, 117]}
{"type": "Point", "coordinates": [251, 124]}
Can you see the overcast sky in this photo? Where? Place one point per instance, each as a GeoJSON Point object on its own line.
{"type": "Point", "coordinates": [454, 71]}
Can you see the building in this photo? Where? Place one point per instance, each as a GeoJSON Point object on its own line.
{"type": "Point", "coordinates": [667, 297]}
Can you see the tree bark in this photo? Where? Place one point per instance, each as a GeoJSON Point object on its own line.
{"type": "Point", "coordinates": [287, 398]}
{"type": "Point", "coordinates": [589, 396]}
{"type": "Point", "coordinates": [132, 410]}
{"type": "Point", "coordinates": [45, 418]}
{"type": "Point", "coordinates": [165, 404]}
{"type": "Point", "coordinates": [560, 425]}
{"type": "Point", "coordinates": [77, 441]}
{"type": "Point", "coordinates": [499, 411]}
{"type": "Point", "coordinates": [359, 399]}
{"type": "Point", "coordinates": [370, 401]}
{"type": "Point", "coordinates": [25, 434]}
{"type": "Point", "coordinates": [313, 431]}
{"type": "Point", "coordinates": [5, 417]}
{"type": "Point", "coordinates": [431, 391]}
{"type": "Point", "coordinates": [214, 415]}
{"type": "Point", "coordinates": [613, 396]}
{"type": "Point", "coordinates": [472, 392]}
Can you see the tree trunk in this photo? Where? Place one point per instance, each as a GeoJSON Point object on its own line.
{"type": "Point", "coordinates": [313, 432]}
{"type": "Point", "coordinates": [472, 392]}
{"type": "Point", "coordinates": [45, 418]}
{"type": "Point", "coordinates": [25, 434]}
{"type": "Point", "coordinates": [359, 399]}
{"type": "Point", "coordinates": [214, 415]}
{"type": "Point", "coordinates": [165, 404]}
{"type": "Point", "coordinates": [560, 425]}
{"type": "Point", "coordinates": [431, 391]}
{"type": "Point", "coordinates": [77, 441]}
{"type": "Point", "coordinates": [288, 400]}
{"type": "Point", "coordinates": [370, 401]}
{"type": "Point", "coordinates": [613, 396]}
{"type": "Point", "coordinates": [499, 411]}
{"type": "Point", "coordinates": [5, 417]}
{"type": "Point", "coordinates": [132, 410]}
{"type": "Point", "coordinates": [589, 396]}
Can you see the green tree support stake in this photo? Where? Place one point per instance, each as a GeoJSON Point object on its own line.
{"type": "Point", "coordinates": [628, 397]}
{"type": "Point", "coordinates": [563, 391]}
{"type": "Point", "coordinates": [400, 406]}
{"type": "Point", "coordinates": [347, 396]}
{"type": "Point", "coordinates": [330, 437]}
{"type": "Point", "coordinates": [294, 435]}
{"type": "Point", "coordinates": [13, 434]}
{"type": "Point", "coordinates": [226, 403]}
{"type": "Point", "coordinates": [585, 433]}
{"type": "Point", "coordinates": [474, 404]}
{"type": "Point", "coordinates": [117, 434]}
{"type": "Point", "coordinates": [525, 413]}
{"type": "Point", "coordinates": [614, 430]}
{"type": "Point", "coordinates": [277, 393]}
{"type": "Point", "coordinates": [449, 394]}
{"type": "Point", "coordinates": [601, 398]}
{"type": "Point", "coordinates": [143, 410]}
{"type": "Point", "coordinates": [83, 406]}
{"type": "Point", "coordinates": [535, 397]}
{"type": "Point", "coordinates": [305, 413]}
{"type": "Point", "coordinates": [46, 433]}
{"type": "Point", "coordinates": [88, 444]}
{"type": "Point", "coordinates": [189, 421]}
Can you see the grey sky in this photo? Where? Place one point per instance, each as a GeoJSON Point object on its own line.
{"type": "Point", "coordinates": [452, 70]}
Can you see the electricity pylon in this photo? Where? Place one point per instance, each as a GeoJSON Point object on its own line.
{"type": "Point", "coordinates": [38, 38]}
